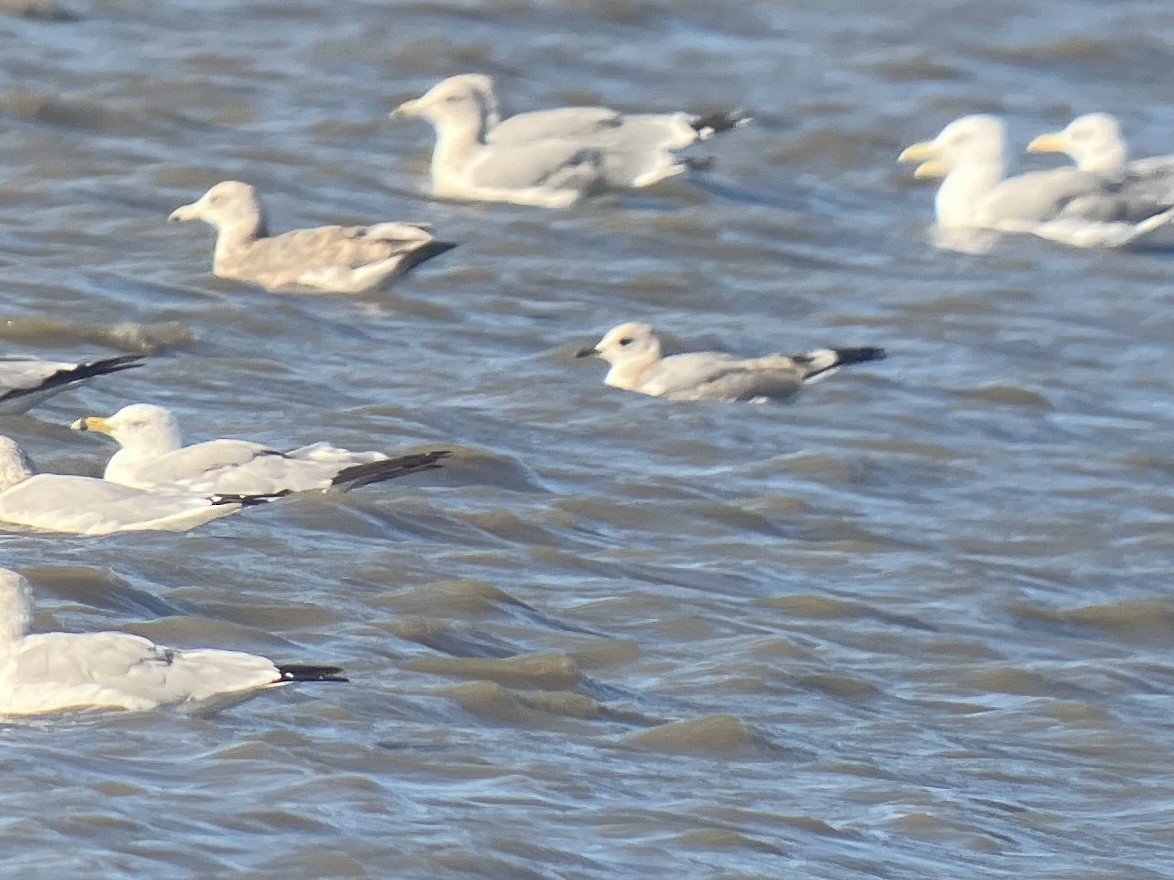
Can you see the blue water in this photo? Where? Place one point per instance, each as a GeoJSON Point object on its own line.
{"type": "Point", "coordinates": [913, 624]}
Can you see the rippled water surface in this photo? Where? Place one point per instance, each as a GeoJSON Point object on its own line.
{"type": "Point", "coordinates": [914, 624]}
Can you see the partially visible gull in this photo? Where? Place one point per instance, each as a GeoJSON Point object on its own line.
{"type": "Point", "coordinates": [327, 259]}
{"type": "Point", "coordinates": [1071, 205]}
{"type": "Point", "coordinates": [637, 365]}
{"type": "Point", "coordinates": [59, 671]}
{"type": "Point", "coordinates": [88, 506]}
{"type": "Point", "coordinates": [549, 158]}
{"type": "Point", "coordinates": [27, 381]}
{"type": "Point", "coordinates": [1094, 142]}
{"type": "Point", "coordinates": [153, 456]}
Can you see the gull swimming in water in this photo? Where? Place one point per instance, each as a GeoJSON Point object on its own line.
{"type": "Point", "coordinates": [1070, 205]}
{"type": "Point", "coordinates": [329, 259]}
{"type": "Point", "coordinates": [1094, 143]}
{"type": "Point", "coordinates": [60, 671]}
{"type": "Point", "coordinates": [549, 158]}
{"type": "Point", "coordinates": [153, 456]}
{"type": "Point", "coordinates": [634, 353]}
{"type": "Point", "coordinates": [27, 381]}
{"type": "Point", "coordinates": [87, 506]}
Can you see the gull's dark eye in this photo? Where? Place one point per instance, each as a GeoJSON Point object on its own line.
{"type": "Point", "coordinates": [627, 340]}
{"type": "Point", "coordinates": [452, 99]}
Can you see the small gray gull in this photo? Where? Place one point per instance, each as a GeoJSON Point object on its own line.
{"type": "Point", "coordinates": [58, 671]}
{"type": "Point", "coordinates": [549, 158]}
{"type": "Point", "coordinates": [634, 353]}
{"type": "Point", "coordinates": [27, 381]}
{"type": "Point", "coordinates": [153, 456]}
{"type": "Point", "coordinates": [327, 259]}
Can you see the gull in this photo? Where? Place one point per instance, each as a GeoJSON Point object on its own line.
{"type": "Point", "coordinates": [88, 506]}
{"type": "Point", "coordinates": [1094, 142]}
{"type": "Point", "coordinates": [60, 671]}
{"type": "Point", "coordinates": [153, 456]}
{"type": "Point", "coordinates": [549, 158]}
{"type": "Point", "coordinates": [27, 381]}
{"type": "Point", "coordinates": [1070, 205]}
{"type": "Point", "coordinates": [634, 353]}
{"type": "Point", "coordinates": [329, 259]}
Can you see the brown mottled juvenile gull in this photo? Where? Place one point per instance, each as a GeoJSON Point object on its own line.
{"type": "Point", "coordinates": [88, 506]}
{"type": "Point", "coordinates": [637, 365]}
{"type": "Point", "coordinates": [1070, 205]}
{"type": "Point", "coordinates": [58, 671]}
{"type": "Point", "coordinates": [549, 158]}
{"type": "Point", "coordinates": [329, 259]}
{"type": "Point", "coordinates": [27, 381]}
{"type": "Point", "coordinates": [153, 456]}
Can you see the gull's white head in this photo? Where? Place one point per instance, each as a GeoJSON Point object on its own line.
{"type": "Point", "coordinates": [15, 466]}
{"type": "Point", "coordinates": [630, 349]}
{"type": "Point", "coordinates": [969, 141]}
{"type": "Point", "coordinates": [460, 102]}
{"type": "Point", "coordinates": [1093, 141]}
{"type": "Point", "coordinates": [140, 426]}
{"type": "Point", "coordinates": [16, 607]}
{"type": "Point", "coordinates": [229, 206]}
{"type": "Point", "coordinates": [970, 155]}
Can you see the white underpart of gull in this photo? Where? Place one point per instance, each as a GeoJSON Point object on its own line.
{"type": "Point", "coordinates": [87, 506]}
{"type": "Point", "coordinates": [57, 672]}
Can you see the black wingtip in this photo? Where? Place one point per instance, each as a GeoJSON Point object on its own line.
{"type": "Point", "coordinates": [306, 672]}
{"type": "Point", "coordinates": [860, 355]}
{"type": "Point", "coordinates": [73, 375]}
{"type": "Point", "coordinates": [425, 252]}
{"type": "Point", "coordinates": [109, 365]}
{"type": "Point", "coordinates": [247, 500]}
{"type": "Point", "coordinates": [723, 120]}
{"type": "Point", "coordinates": [388, 469]}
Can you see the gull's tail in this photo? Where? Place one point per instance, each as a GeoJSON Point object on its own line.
{"type": "Point", "coordinates": [707, 126]}
{"type": "Point", "coordinates": [824, 360]}
{"type": "Point", "coordinates": [304, 672]}
{"type": "Point", "coordinates": [423, 253]}
{"type": "Point", "coordinates": [387, 469]}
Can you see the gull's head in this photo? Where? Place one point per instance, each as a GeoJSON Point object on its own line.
{"type": "Point", "coordinates": [1093, 141]}
{"type": "Point", "coordinates": [15, 466]}
{"type": "Point", "coordinates": [464, 100]}
{"type": "Point", "coordinates": [138, 426]}
{"type": "Point", "coordinates": [16, 605]}
{"type": "Point", "coordinates": [628, 344]}
{"type": "Point", "coordinates": [229, 204]}
{"type": "Point", "coordinates": [971, 140]}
